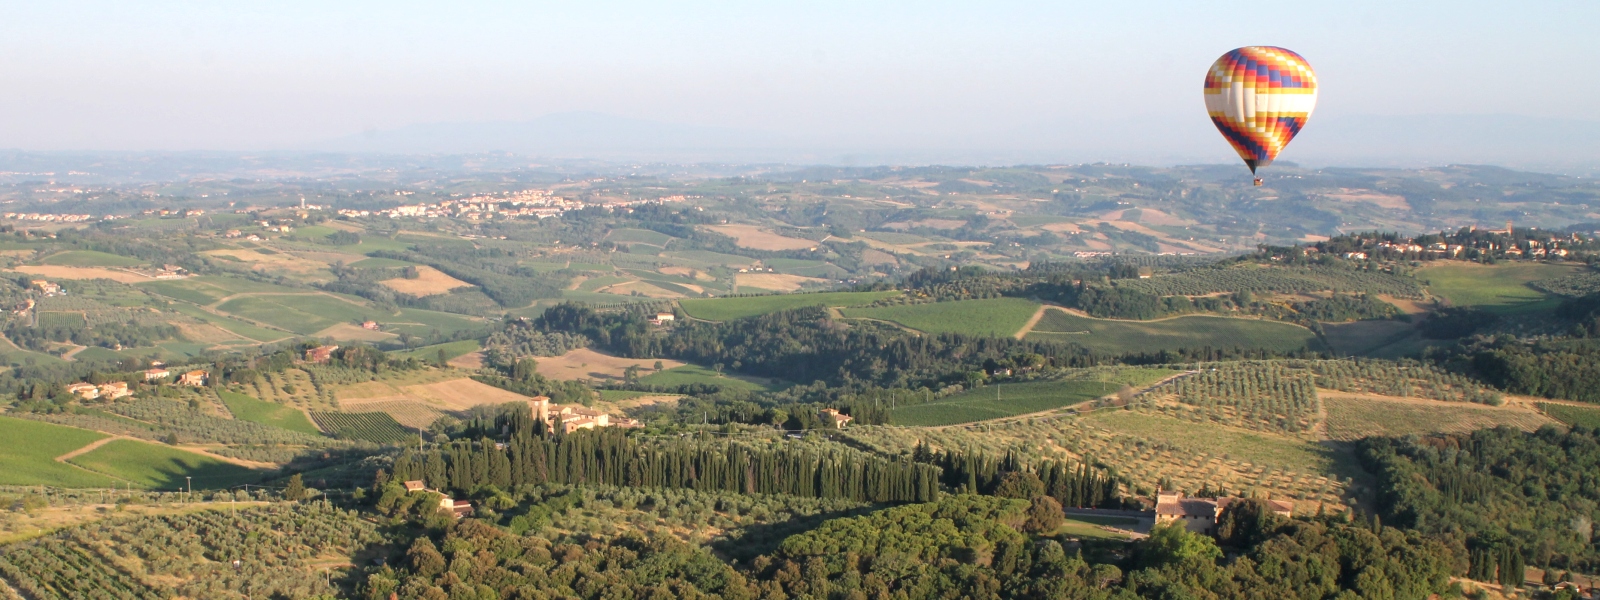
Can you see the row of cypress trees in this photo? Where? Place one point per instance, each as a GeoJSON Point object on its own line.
{"type": "Point", "coordinates": [611, 457]}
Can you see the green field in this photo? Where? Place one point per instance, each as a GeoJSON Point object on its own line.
{"type": "Point", "coordinates": [594, 283]}
{"type": "Point", "coordinates": [188, 290]}
{"type": "Point", "coordinates": [688, 374]}
{"type": "Point", "coordinates": [997, 317]}
{"type": "Point", "coordinates": [373, 427]}
{"type": "Point", "coordinates": [245, 408]}
{"type": "Point", "coordinates": [1011, 399]}
{"type": "Point", "coordinates": [1499, 288]}
{"type": "Point", "coordinates": [725, 309]}
{"type": "Point", "coordinates": [378, 263]}
{"type": "Point", "coordinates": [417, 321]}
{"type": "Point", "coordinates": [90, 258]}
{"type": "Point", "coordinates": [28, 455]}
{"type": "Point", "coordinates": [640, 236]}
{"type": "Point", "coordinates": [451, 350]}
{"type": "Point", "coordinates": [707, 258]}
{"type": "Point", "coordinates": [160, 467]}
{"type": "Point", "coordinates": [241, 328]}
{"type": "Point", "coordinates": [622, 395]}
{"type": "Point", "coordinates": [1088, 526]}
{"type": "Point", "coordinates": [1193, 331]}
{"type": "Point", "coordinates": [1572, 415]}
{"type": "Point", "coordinates": [275, 310]}
{"type": "Point", "coordinates": [302, 313]}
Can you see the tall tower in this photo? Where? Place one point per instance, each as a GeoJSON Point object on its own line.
{"type": "Point", "coordinates": [541, 408]}
{"type": "Point", "coordinates": [1508, 227]}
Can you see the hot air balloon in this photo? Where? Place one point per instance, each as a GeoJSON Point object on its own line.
{"type": "Point", "coordinates": [1259, 97]}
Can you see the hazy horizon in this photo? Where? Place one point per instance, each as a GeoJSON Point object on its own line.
{"type": "Point", "coordinates": [1417, 85]}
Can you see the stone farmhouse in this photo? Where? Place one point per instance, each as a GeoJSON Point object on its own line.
{"type": "Point", "coordinates": [1200, 514]}
{"type": "Point", "coordinates": [568, 418]}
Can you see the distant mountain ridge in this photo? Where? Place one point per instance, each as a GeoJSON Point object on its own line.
{"type": "Point", "coordinates": [1539, 143]}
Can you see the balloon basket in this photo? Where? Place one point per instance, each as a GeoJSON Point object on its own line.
{"type": "Point", "coordinates": [1258, 182]}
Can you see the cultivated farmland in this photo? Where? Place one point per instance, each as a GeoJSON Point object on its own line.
{"type": "Point", "coordinates": [1007, 400]}
{"type": "Point", "coordinates": [250, 409]}
{"type": "Point", "coordinates": [162, 467]}
{"type": "Point", "coordinates": [1497, 288]}
{"type": "Point", "coordinates": [1193, 331]}
{"type": "Point", "coordinates": [1352, 417]}
{"type": "Point", "coordinates": [90, 258]}
{"type": "Point", "coordinates": [1572, 415]}
{"type": "Point", "coordinates": [691, 374]}
{"type": "Point", "coordinates": [726, 309]}
{"type": "Point", "coordinates": [1283, 280]}
{"type": "Point", "coordinates": [994, 317]}
{"type": "Point", "coordinates": [370, 426]}
{"type": "Point", "coordinates": [28, 455]}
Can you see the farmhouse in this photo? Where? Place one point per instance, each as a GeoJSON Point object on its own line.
{"type": "Point", "coordinates": [156, 373]}
{"type": "Point", "coordinates": [569, 418]}
{"type": "Point", "coordinates": [457, 508]}
{"type": "Point", "coordinates": [49, 289]}
{"type": "Point", "coordinates": [114, 390]}
{"type": "Point", "coordinates": [194, 378]}
{"type": "Point", "coordinates": [662, 317]}
{"type": "Point", "coordinates": [320, 354]}
{"type": "Point", "coordinates": [833, 417]}
{"type": "Point", "coordinates": [1200, 514]}
{"type": "Point", "coordinates": [369, 324]}
{"type": "Point", "coordinates": [87, 391]}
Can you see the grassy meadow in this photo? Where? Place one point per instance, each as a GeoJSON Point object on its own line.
{"type": "Point", "coordinates": [689, 374]}
{"type": "Point", "coordinates": [451, 350]}
{"type": "Point", "coordinates": [90, 258]}
{"type": "Point", "coordinates": [245, 408]}
{"type": "Point", "coordinates": [1501, 288]}
{"type": "Point", "coordinates": [159, 467]}
{"type": "Point", "coordinates": [1011, 399]}
{"type": "Point", "coordinates": [1193, 331]}
{"type": "Point", "coordinates": [995, 317]}
{"type": "Point", "coordinates": [726, 309]}
{"type": "Point", "coordinates": [28, 455]}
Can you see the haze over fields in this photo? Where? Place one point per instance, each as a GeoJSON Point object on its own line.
{"type": "Point", "coordinates": [828, 83]}
{"type": "Point", "coordinates": [826, 300]}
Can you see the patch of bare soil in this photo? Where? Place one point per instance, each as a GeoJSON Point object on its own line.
{"type": "Point", "coordinates": [1382, 200]}
{"type": "Point", "coordinates": [470, 360]}
{"type": "Point", "coordinates": [60, 272]}
{"type": "Point", "coordinates": [429, 281]}
{"type": "Point", "coordinates": [752, 236]}
{"type": "Point", "coordinates": [775, 281]}
{"type": "Point", "coordinates": [584, 363]}
{"type": "Point", "coordinates": [346, 332]}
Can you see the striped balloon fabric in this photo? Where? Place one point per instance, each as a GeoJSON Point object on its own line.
{"type": "Point", "coordinates": [1260, 97]}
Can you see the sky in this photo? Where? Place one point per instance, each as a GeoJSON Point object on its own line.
{"type": "Point", "coordinates": [1057, 79]}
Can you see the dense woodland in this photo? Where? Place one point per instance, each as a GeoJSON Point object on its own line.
{"type": "Point", "coordinates": [1509, 497]}
{"type": "Point", "coordinates": [960, 546]}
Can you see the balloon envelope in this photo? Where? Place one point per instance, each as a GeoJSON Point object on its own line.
{"type": "Point", "coordinates": [1259, 97]}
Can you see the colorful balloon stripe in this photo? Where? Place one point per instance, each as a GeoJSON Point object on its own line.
{"type": "Point", "coordinates": [1260, 97]}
